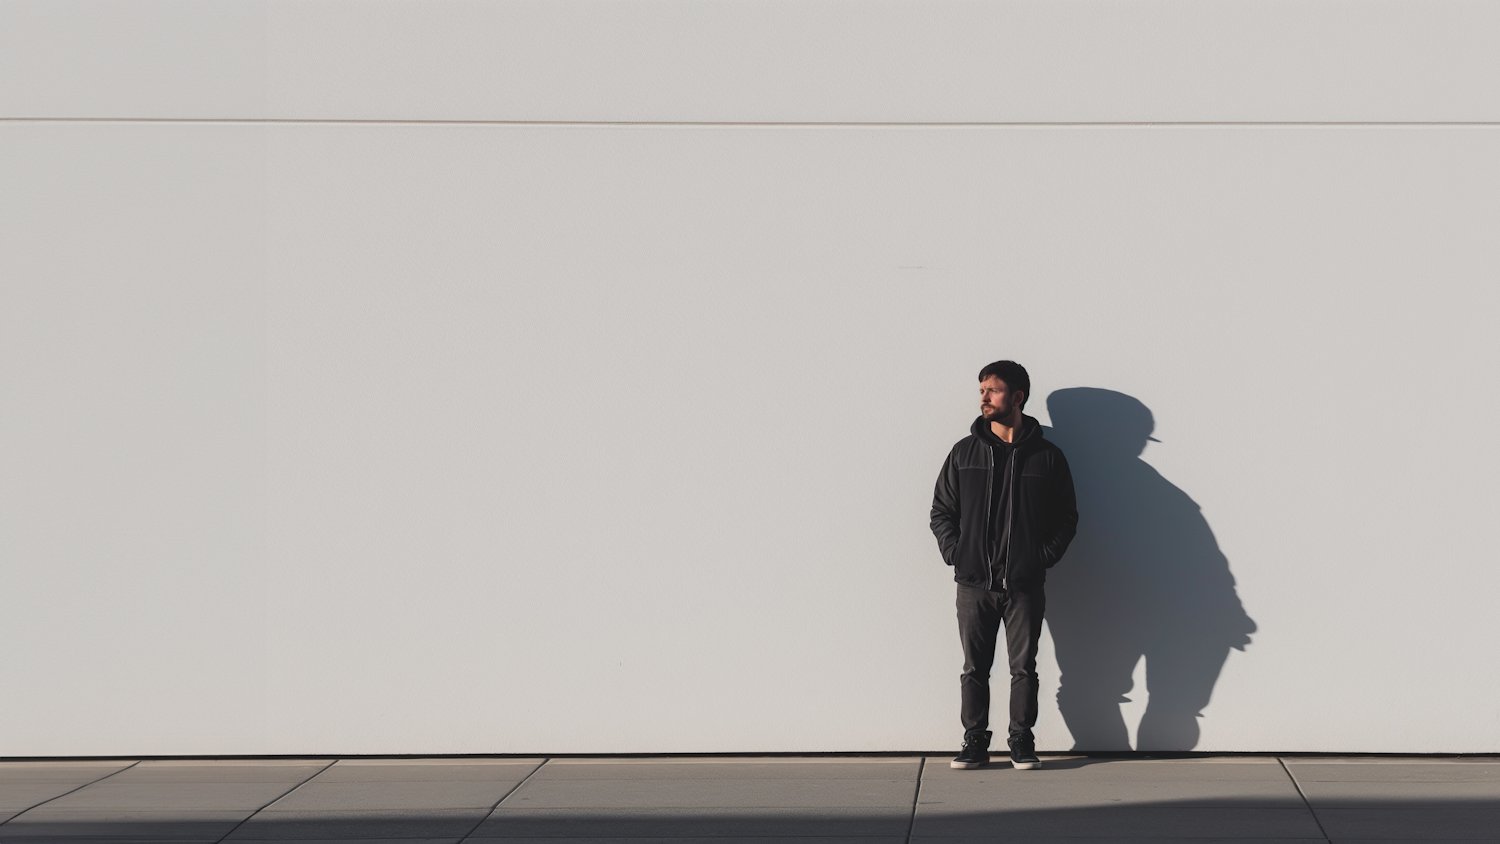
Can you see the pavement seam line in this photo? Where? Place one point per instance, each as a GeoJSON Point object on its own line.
{"type": "Point", "coordinates": [1310, 810]}
{"type": "Point", "coordinates": [66, 793]}
{"type": "Point", "coordinates": [247, 818]}
{"type": "Point", "coordinates": [513, 790]}
{"type": "Point", "coordinates": [916, 798]}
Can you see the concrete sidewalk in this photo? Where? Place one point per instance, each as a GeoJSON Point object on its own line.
{"type": "Point", "coordinates": [781, 800]}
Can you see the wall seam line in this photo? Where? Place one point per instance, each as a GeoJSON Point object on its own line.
{"type": "Point", "coordinates": [749, 123]}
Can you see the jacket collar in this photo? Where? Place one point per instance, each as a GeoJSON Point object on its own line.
{"type": "Point", "coordinates": [1031, 432]}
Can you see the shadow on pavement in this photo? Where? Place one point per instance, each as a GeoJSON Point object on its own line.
{"type": "Point", "coordinates": [1249, 816]}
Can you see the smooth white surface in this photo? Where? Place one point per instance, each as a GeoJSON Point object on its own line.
{"type": "Point", "coordinates": [473, 438]}
{"type": "Point", "coordinates": [132, 471]}
{"type": "Point", "coordinates": [754, 60]}
{"type": "Point", "coordinates": [416, 439]}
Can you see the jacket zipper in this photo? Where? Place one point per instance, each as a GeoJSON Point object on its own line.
{"type": "Point", "coordinates": [989, 490]}
{"type": "Point", "coordinates": [1010, 508]}
{"type": "Point", "coordinates": [989, 487]}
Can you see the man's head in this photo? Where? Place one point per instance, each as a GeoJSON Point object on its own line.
{"type": "Point", "coordinates": [1004, 387]}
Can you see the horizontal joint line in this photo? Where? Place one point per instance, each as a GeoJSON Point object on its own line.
{"type": "Point", "coordinates": [745, 123]}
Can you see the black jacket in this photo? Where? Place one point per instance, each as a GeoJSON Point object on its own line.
{"type": "Point", "coordinates": [1042, 512]}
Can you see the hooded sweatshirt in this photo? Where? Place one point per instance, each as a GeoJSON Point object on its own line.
{"type": "Point", "coordinates": [1000, 490]}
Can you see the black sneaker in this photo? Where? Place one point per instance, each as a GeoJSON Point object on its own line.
{"type": "Point", "coordinates": [1023, 754]}
{"type": "Point", "coordinates": [976, 752]}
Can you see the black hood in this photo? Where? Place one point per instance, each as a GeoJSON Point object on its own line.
{"type": "Point", "coordinates": [1031, 431]}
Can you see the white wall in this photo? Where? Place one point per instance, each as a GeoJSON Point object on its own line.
{"type": "Point", "coordinates": [329, 428]}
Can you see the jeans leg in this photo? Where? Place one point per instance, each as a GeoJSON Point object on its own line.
{"type": "Point", "coordinates": [1023, 634]}
{"type": "Point", "coordinates": [979, 631]}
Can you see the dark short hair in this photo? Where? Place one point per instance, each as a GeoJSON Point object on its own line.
{"type": "Point", "coordinates": [1012, 373]}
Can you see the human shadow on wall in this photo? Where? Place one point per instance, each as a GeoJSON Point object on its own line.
{"type": "Point", "coordinates": [1144, 578]}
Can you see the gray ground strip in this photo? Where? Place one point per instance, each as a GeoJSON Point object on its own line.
{"type": "Point", "coordinates": [848, 800]}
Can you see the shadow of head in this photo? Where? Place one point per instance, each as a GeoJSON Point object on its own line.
{"type": "Point", "coordinates": [1103, 422]}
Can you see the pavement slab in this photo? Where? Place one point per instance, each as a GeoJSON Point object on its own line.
{"type": "Point", "coordinates": [1125, 836]}
{"type": "Point", "coordinates": [392, 796]}
{"type": "Point", "coordinates": [781, 839]}
{"type": "Point", "coordinates": [228, 771]}
{"type": "Point", "coordinates": [1415, 840]}
{"type": "Point", "coordinates": [451, 840]}
{"type": "Point", "coordinates": [680, 823]}
{"type": "Point", "coordinates": [20, 796]}
{"type": "Point", "coordinates": [1404, 770]}
{"type": "Point", "coordinates": [1122, 821]}
{"type": "Point", "coordinates": [1013, 792]}
{"type": "Point", "coordinates": [345, 825]}
{"type": "Point", "coordinates": [736, 768]}
{"type": "Point", "coordinates": [74, 772]}
{"type": "Point", "coordinates": [117, 795]}
{"type": "Point", "coordinates": [429, 770]}
{"type": "Point", "coordinates": [1075, 769]}
{"type": "Point", "coordinates": [712, 793]}
{"type": "Point", "coordinates": [1424, 824]}
{"type": "Point", "coordinates": [455, 840]}
{"type": "Point", "coordinates": [71, 824]}
{"type": "Point", "coordinates": [112, 839]}
{"type": "Point", "coordinates": [1432, 795]}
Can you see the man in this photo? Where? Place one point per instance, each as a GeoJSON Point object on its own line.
{"type": "Point", "coordinates": [1003, 513]}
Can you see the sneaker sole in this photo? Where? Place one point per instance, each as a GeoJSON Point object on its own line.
{"type": "Point", "coordinates": [966, 766]}
{"type": "Point", "coordinates": [1026, 766]}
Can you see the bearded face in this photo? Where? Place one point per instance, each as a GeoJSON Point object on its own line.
{"type": "Point", "coordinates": [997, 401]}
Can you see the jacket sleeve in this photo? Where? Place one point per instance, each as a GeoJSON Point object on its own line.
{"type": "Point", "coordinates": [945, 510]}
{"type": "Point", "coordinates": [1065, 506]}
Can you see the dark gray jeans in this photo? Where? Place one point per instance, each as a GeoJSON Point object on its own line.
{"type": "Point", "coordinates": [981, 614]}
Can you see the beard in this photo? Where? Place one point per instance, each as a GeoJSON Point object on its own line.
{"type": "Point", "coordinates": [993, 412]}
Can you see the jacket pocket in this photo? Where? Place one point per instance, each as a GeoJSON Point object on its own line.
{"type": "Point", "coordinates": [950, 555]}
